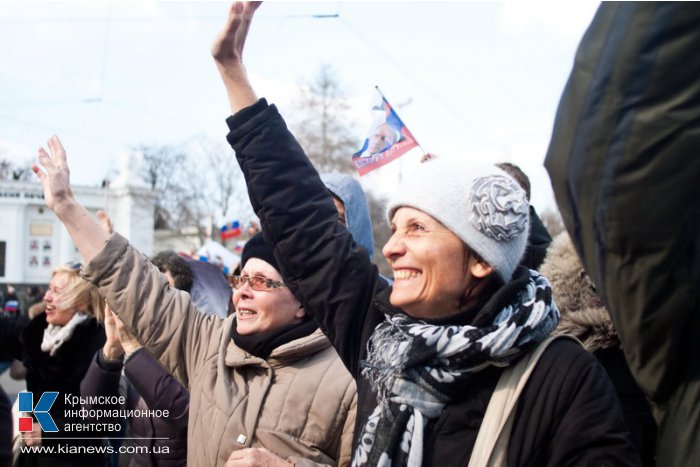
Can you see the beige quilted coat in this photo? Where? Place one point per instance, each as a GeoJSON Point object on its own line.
{"type": "Point", "coordinates": [299, 403]}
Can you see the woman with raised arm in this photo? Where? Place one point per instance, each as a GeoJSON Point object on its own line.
{"type": "Point", "coordinates": [442, 357]}
{"type": "Point", "coordinates": [266, 386]}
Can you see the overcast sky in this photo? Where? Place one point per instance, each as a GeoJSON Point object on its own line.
{"type": "Point", "coordinates": [476, 80]}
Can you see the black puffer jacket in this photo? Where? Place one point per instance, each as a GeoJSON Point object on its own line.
{"type": "Point", "coordinates": [148, 386]}
{"type": "Point", "coordinates": [568, 413]}
{"type": "Point", "coordinates": [626, 174]}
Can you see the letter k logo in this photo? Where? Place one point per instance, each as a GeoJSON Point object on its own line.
{"type": "Point", "coordinates": [41, 411]}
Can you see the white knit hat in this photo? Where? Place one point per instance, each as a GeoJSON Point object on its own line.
{"type": "Point", "coordinates": [482, 205]}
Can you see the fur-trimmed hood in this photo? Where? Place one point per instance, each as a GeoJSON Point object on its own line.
{"type": "Point", "coordinates": [582, 312]}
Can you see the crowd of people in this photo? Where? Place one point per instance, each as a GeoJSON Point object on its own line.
{"type": "Point", "coordinates": [492, 344]}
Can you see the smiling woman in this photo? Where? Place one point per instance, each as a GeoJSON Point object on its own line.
{"type": "Point", "coordinates": [430, 280]}
{"type": "Point", "coordinates": [461, 318]}
{"type": "Point", "coordinates": [263, 303]}
{"type": "Point", "coordinates": [56, 348]}
{"type": "Point", "coordinates": [67, 294]}
{"type": "Point", "coordinates": [428, 353]}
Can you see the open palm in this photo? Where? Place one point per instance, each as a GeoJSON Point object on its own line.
{"type": "Point", "coordinates": [228, 46]}
{"type": "Point", "coordinates": [55, 176]}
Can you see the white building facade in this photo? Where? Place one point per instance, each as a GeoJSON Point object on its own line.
{"type": "Point", "coordinates": [33, 241]}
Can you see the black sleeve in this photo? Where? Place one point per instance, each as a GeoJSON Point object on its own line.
{"type": "Point", "coordinates": [101, 379]}
{"type": "Point", "coordinates": [625, 171]}
{"type": "Point", "coordinates": [158, 388]}
{"type": "Point", "coordinates": [327, 271]}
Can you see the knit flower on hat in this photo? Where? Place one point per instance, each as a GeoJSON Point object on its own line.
{"type": "Point", "coordinates": [499, 207]}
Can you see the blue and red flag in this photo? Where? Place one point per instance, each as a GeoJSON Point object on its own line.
{"type": "Point", "coordinates": [387, 140]}
{"type": "Point", "coordinates": [230, 230]}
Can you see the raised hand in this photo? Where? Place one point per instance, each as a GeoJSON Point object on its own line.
{"type": "Point", "coordinates": [56, 179]}
{"type": "Point", "coordinates": [228, 55]}
{"type": "Point", "coordinates": [86, 232]}
{"type": "Point", "coordinates": [129, 342]}
{"type": "Point", "coordinates": [113, 347]}
{"type": "Point", "coordinates": [228, 46]}
{"type": "Point", "coordinates": [119, 339]}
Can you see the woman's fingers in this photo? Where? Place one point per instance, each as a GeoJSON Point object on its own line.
{"type": "Point", "coordinates": [57, 151]}
{"type": "Point", "coordinates": [105, 221]}
{"type": "Point", "coordinates": [53, 173]}
{"type": "Point", "coordinates": [109, 316]}
{"type": "Point", "coordinates": [45, 158]}
{"type": "Point", "coordinates": [39, 173]}
{"type": "Point", "coordinates": [228, 47]}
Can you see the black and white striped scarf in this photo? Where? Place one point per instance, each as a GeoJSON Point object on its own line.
{"type": "Point", "coordinates": [411, 365]}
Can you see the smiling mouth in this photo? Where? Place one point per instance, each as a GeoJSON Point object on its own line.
{"type": "Point", "coordinates": [406, 274]}
{"type": "Point", "coordinates": [243, 313]}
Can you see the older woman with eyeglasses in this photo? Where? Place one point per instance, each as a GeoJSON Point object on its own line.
{"type": "Point", "coordinates": [312, 388]}
{"type": "Point", "coordinates": [56, 348]}
{"type": "Point", "coordinates": [311, 402]}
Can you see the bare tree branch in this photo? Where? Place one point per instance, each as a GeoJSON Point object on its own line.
{"type": "Point", "coordinates": [198, 184]}
{"type": "Point", "coordinates": [9, 170]}
{"type": "Point", "coordinates": [322, 126]}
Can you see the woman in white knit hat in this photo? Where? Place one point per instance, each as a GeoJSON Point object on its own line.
{"type": "Point", "coordinates": [460, 319]}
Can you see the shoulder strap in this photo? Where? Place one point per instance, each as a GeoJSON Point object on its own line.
{"type": "Point", "coordinates": [491, 445]}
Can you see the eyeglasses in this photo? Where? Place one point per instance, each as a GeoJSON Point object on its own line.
{"type": "Point", "coordinates": [256, 282]}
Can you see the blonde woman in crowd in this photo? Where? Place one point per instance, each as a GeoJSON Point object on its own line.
{"type": "Point", "coordinates": [56, 348]}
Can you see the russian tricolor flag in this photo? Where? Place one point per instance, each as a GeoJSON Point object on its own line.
{"type": "Point", "coordinates": [387, 140]}
{"type": "Point", "coordinates": [230, 230]}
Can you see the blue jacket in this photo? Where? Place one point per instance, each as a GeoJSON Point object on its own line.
{"type": "Point", "coordinates": [357, 218]}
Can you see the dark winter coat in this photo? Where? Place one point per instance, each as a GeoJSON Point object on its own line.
{"type": "Point", "coordinates": [299, 403]}
{"type": "Point", "coordinates": [61, 372]}
{"type": "Point", "coordinates": [584, 317]}
{"type": "Point", "coordinates": [568, 413]}
{"type": "Point", "coordinates": [5, 429]}
{"type": "Point", "coordinates": [148, 387]}
{"type": "Point", "coordinates": [625, 171]}
{"type": "Point", "coordinates": [11, 327]}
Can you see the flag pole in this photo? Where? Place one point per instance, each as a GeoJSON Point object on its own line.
{"type": "Point", "coordinates": [381, 94]}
